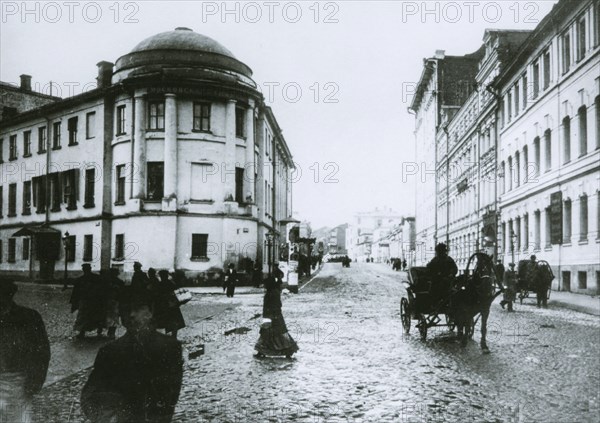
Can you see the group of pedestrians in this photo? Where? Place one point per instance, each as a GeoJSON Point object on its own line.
{"type": "Point", "coordinates": [398, 264]}
{"type": "Point", "coordinates": [101, 300]}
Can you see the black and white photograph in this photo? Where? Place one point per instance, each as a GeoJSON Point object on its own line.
{"type": "Point", "coordinates": [302, 211]}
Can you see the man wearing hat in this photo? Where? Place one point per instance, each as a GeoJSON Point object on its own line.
{"type": "Point", "coordinates": [442, 270]}
{"type": "Point", "coordinates": [89, 297]}
{"type": "Point", "coordinates": [24, 356]}
{"type": "Point", "coordinates": [136, 378]}
{"type": "Point", "coordinates": [139, 280]}
{"type": "Point", "coordinates": [510, 287]}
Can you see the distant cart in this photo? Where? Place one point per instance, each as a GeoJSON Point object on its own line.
{"type": "Point", "coordinates": [530, 274]}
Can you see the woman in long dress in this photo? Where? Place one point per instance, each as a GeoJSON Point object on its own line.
{"type": "Point", "coordinates": [167, 314]}
{"type": "Point", "coordinates": [274, 337]}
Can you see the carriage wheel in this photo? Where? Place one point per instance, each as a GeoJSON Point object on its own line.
{"type": "Point", "coordinates": [405, 314]}
{"type": "Point", "coordinates": [422, 325]}
{"type": "Point", "coordinates": [450, 323]}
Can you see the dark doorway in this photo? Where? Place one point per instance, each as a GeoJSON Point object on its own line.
{"type": "Point", "coordinates": [566, 277]}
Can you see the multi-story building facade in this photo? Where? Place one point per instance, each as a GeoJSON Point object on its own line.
{"type": "Point", "coordinates": [550, 147]}
{"type": "Point", "coordinates": [466, 166]}
{"type": "Point", "coordinates": [173, 161]}
{"type": "Point", "coordinates": [337, 240]}
{"type": "Point", "coordinates": [445, 84]}
{"type": "Point", "coordinates": [360, 233]}
{"type": "Point", "coordinates": [19, 99]}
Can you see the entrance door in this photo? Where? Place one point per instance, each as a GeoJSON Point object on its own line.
{"type": "Point", "coordinates": [566, 277]}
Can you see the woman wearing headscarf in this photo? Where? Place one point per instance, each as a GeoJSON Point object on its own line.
{"type": "Point", "coordinates": [274, 337]}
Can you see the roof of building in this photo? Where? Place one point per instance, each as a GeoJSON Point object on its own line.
{"type": "Point", "coordinates": [182, 54]}
{"type": "Point", "coordinates": [182, 39]}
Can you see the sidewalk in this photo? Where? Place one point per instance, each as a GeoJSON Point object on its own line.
{"type": "Point", "coordinates": [578, 302]}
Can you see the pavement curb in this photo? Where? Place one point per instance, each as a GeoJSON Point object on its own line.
{"type": "Point", "coordinates": [575, 307]}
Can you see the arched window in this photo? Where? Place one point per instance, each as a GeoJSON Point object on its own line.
{"type": "Point", "coordinates": [548, 149]}
{"type": "Point", "coordinates": [582, 115]}
{"type": "Point", "coordinates": [509, 177]}
{"type": "Point", "coordinates": [566, 124]}
{"type": "Point", "coordinates": [583, 217]}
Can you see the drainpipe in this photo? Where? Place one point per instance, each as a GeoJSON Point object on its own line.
{"type": "Point", "coordinates": [445, 128]}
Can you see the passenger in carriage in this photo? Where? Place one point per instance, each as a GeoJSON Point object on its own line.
{"type": "Point", "coordinates": [442, 270]}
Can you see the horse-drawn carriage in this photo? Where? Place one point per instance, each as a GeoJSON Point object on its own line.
{"type": "Point", "coordinates": [452, 302]}
{"type": "Point", "coordinates": [533, 276]}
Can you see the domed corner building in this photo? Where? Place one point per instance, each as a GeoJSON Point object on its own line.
{"type": "Point", "coordinates": [173, 160]}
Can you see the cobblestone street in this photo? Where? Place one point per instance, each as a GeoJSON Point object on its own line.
{"type": "Point", "coordinates": [355, 364]}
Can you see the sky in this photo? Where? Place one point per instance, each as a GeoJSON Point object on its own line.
{"type": "Point", "coordinates": [339, 76]}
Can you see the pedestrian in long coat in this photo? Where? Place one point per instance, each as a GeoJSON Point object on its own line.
{"type": "Point", "coordinates": [115, 285]}
{"type": "Point", "coordinates": [274, 339]}
{"type": "Point", "coordinates": [257, 275]}
{"type": "Point", "coordinates": [24, 356]}
{"type": "Point", "coordinates": [230, 280]}
{"type": "Point", "coordinates": [139, 280]}
{"type": "Point", "coordinates": [510, 287]}
{"type": "Point", "coordinates": [89, 297]}
{"type": "Point", "coordinates": [136, 378]}
{"type": "Point", "coordinates": [167, 314]}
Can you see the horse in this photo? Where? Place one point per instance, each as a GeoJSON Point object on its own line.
{"type": "Point", "coordinates": [473, 294]}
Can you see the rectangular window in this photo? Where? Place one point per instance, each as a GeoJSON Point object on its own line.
{"type": "Point", "coordinates": [25, 252]}
{"type": "Point", "coordinates": [12, 250]}
{"type": "Point", "coordinates": [90, 125]}
{"type": "Point", "coordinates": [582, 280]}
{"type": "Point", "coordinates": [155, 188]}
{"type": "Point", "coordinates": [509, 105]}
{"type": "Point", "coordinates": [199, 246]}
{"type": "Point", "coordinates": [567, 221]}
{"type": "Point", "coordinates": [42, 139]}
{"type": "Point", "coordinates": [12, 148]}
{"type": "Point", "coordinates": [536, 79]}
{"type": "Point", "coordinates": [583, 218]}
{"type": "Point", "coordinates": [55, 191]}
{"type": "Point", "coordinates": [204, 178]}
{"type": "Point", "coordinates": [537, 228]}
{"type": "Point", "coordinates": [71, 246]}
{"type": "Point", "coordinates": [202, 117]}
{"type": "Point", "coordinates": [56, 135]}
{"type": "Point", "coordinates": [596, 25]}
{"type": "Point", "coordinates": [240, 122]}
{"type": "Point", "coordinates": [524, 92]}
{"type": "Point", "coordinates": [88, 247]}
{"type": "Point", "coordinates": [1, 150]}
{"type": "Point", "coordinates": [517, 100]}
{"type": "Point", "coordinates": [26, 143]}
{"type": "Point", "coordinates": [120, 247]}
{"type": "Point", "coordinates": [120, 188]}
{"type": "Point", "coordinates": [566, 139]}
{"type": "Point", "coordinates": [1, 252]}
{"type": "Point", "coordinates": [90, 187]}
{"type": "Point", "coordinates": [156, 111]}
{"type": "Point", "coordinates": [12, 200]}
{"type": "Point", "coordinates": [1, 200]}
{"type": "Point", "coordinates": [581, 44]}
{"type": "Point", "coordinates": [566, 52]}
{"type": "Point", "coordinates": [548, 144]}
{"type": "Point", "coordinates": [536, 156]}
{"type": "Point", "coordinates": [239, 184]}
{"type": "Point", "coordinates": [548, 227]}
{"type": "Point", "coordinates": [121, 120]}
{"type": "Point", "coordinates": [582, 117]}
{"type": "Point", "coordinates": [72, 128]}
{"type": "Point", "coordinates": [547, 69]}
{"type": "Point", "coordinates": [39, 193]}
{"type": "Point", "coordinates": [26, 197]}
{"type": "Point", "coordinates": [70, 180]}
{"type": "Point", "coordinates": [526, 232]}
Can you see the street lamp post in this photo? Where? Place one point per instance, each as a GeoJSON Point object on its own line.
{"type": "Point", "coordinates": [269, 258]}
{"type": "Point", "coordinates": [65, 240]}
